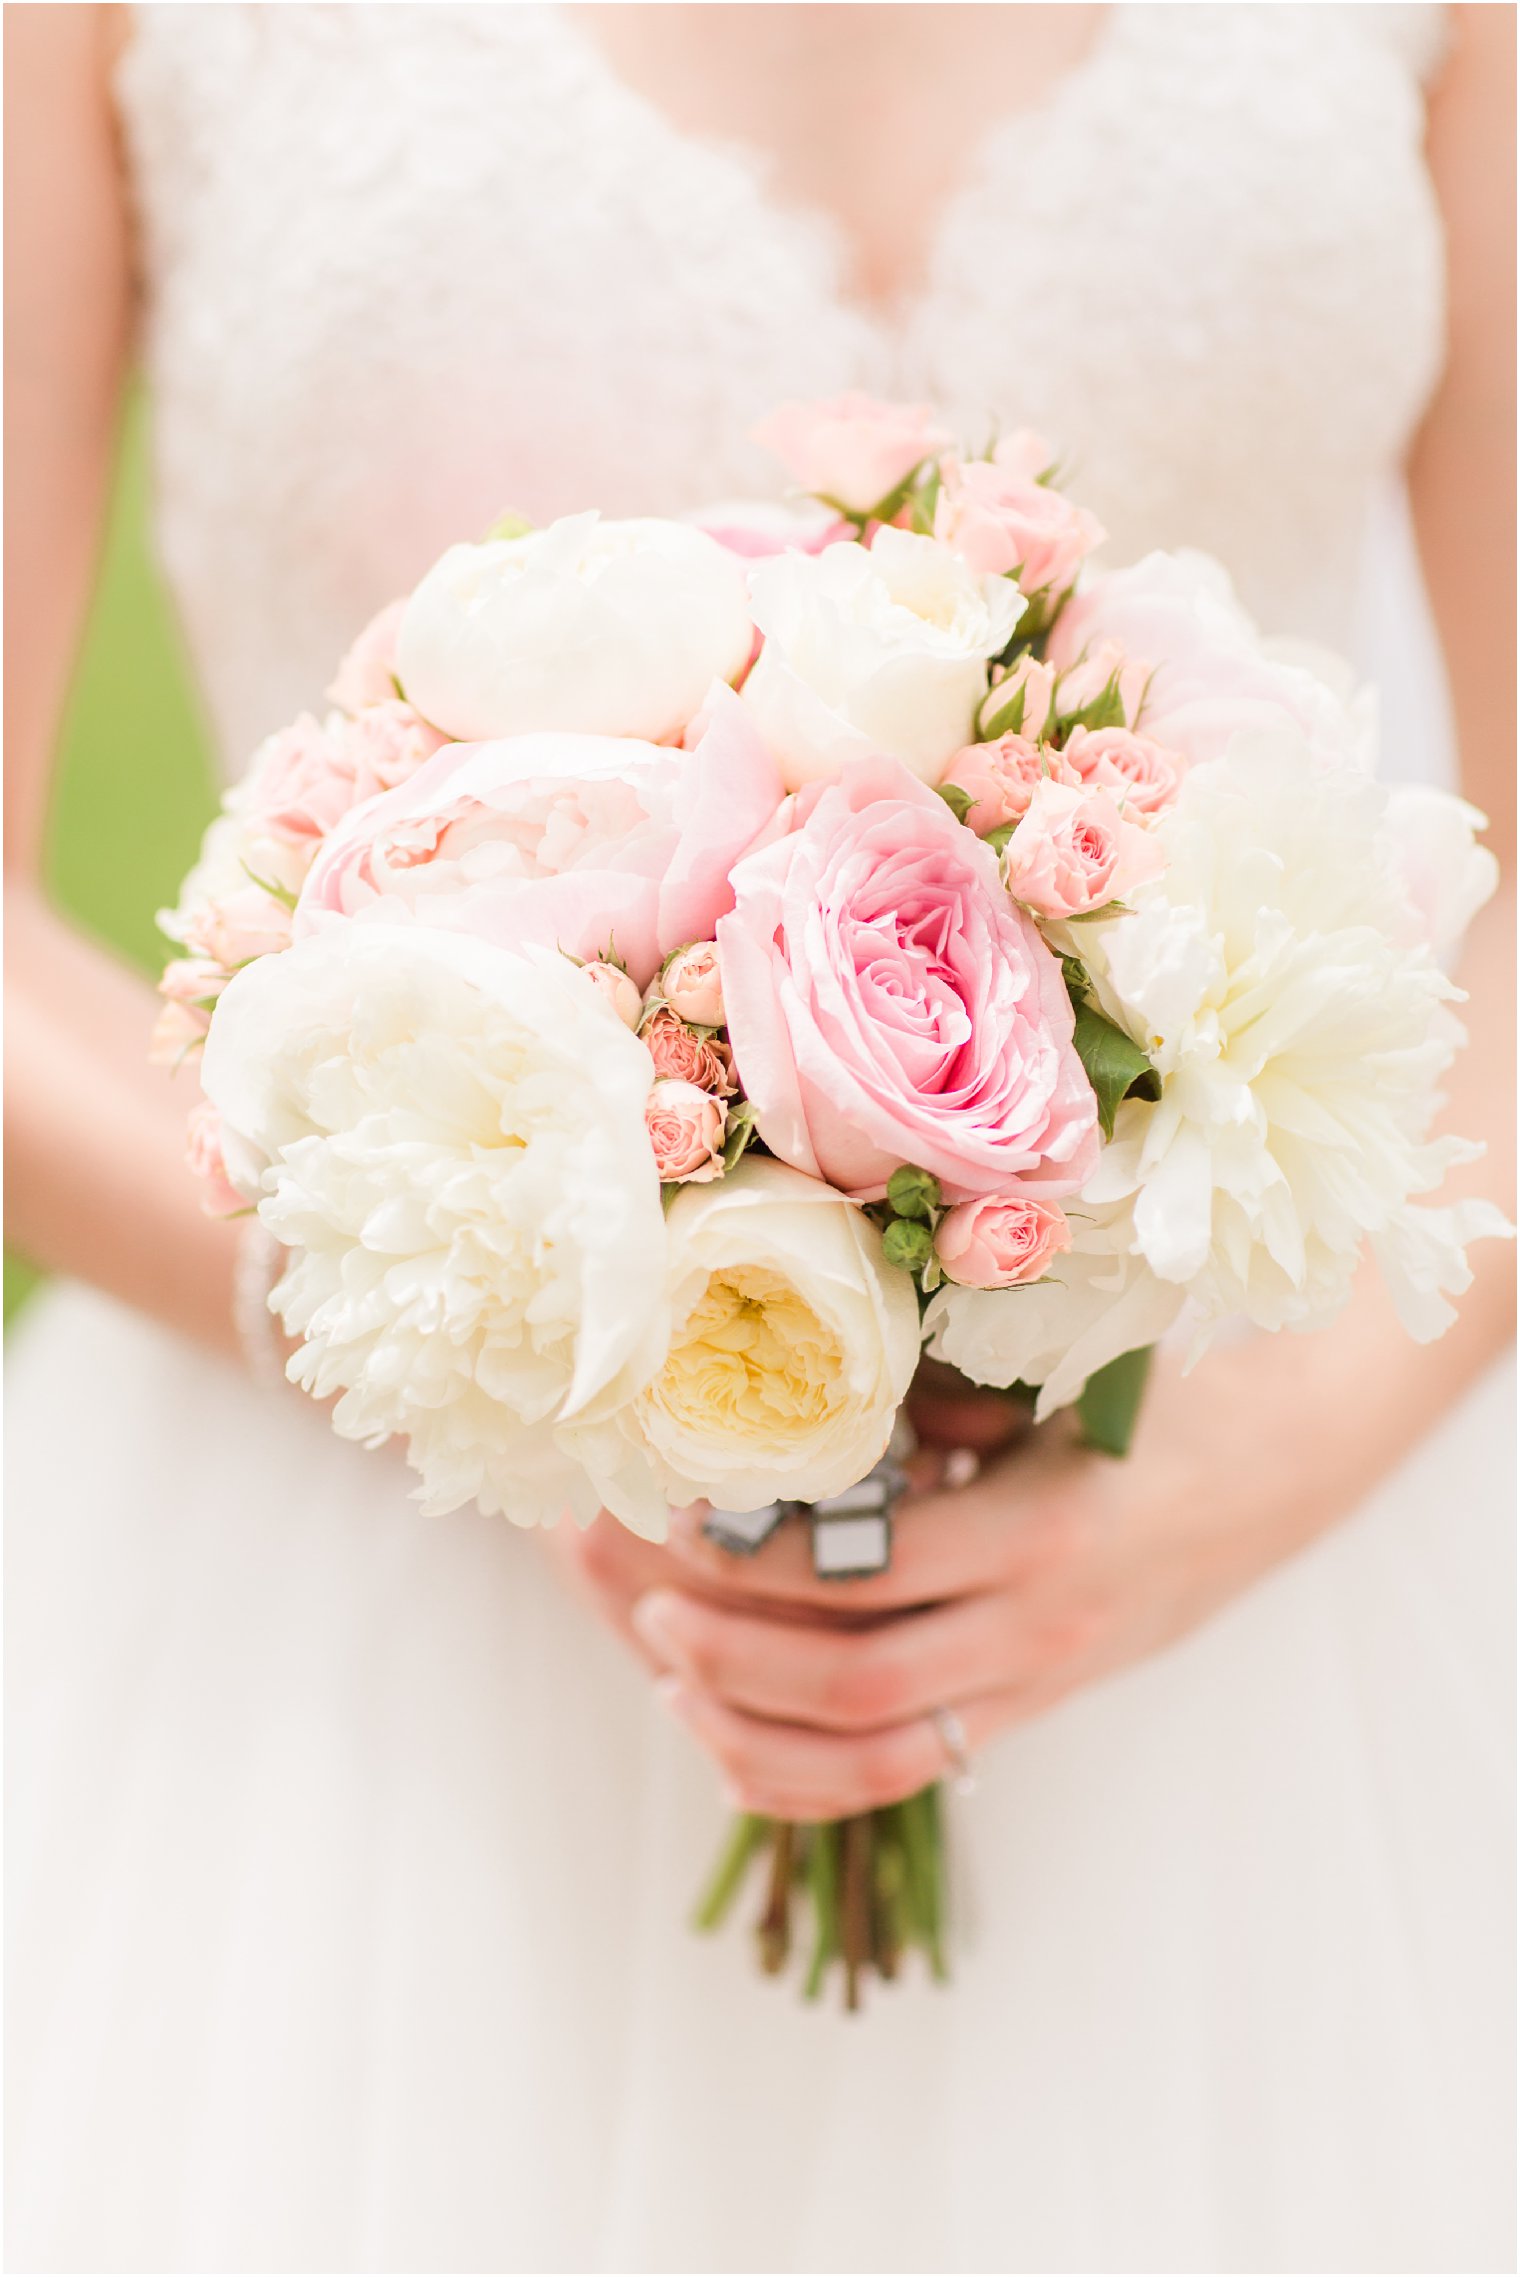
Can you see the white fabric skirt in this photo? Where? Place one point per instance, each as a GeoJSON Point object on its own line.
{"type": "Point", "coordinates": [349, 1867]}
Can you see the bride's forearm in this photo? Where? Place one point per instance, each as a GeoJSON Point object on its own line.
{"type": "Point", "coordinates": [96, 1180]}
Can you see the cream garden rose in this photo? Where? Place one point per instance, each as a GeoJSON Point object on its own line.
{"type": "Point", "coordinates": [792, 1345]}
{"type": "Point", "coordinates": [449, 1140]}
{"type": "Point", "coordinates": [590, 626]}
{"type": "Point", "coordinates": [873, 650]}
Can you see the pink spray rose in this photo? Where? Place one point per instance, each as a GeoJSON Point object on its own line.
{"type": "Point", "coordinates": [306, 778]}
{"type": "Point", "coordinates": [1001, 778]}
{"type": "Point", "coordinates": [887, 1003]}
{"type": "Point", "coordinates": [1074, 852]}
{"type": "Point", "coordinates": [236, 926]}
{"type": "Point", "coordinates": [1141, 776]}
{"type": "Point", "coordinates": [686, 1057]}
{"type": "Point", "coordinates": [1000, 1241]}
{"type": "Point", "coordinates": [852, 449]}
{"type": "Point", "coordinates": [692, 986]}
{"type": "Point", "coordinates": [177, 1030]}
{"type": "Point", "coordinates": [203, 1151]}
{"type": "Point", "coordinates": [1000, 518]}
{"type": "Point", "coordinates": [1085, 681]}
{"type": "Point", "coordinates": [685, 1128]}
{"type": "Point", "coordinates": [575, 842]}
{"type": "Point", "coordinates": [613, 983]}
{"type": "Point", "coordinates": [367, 674]}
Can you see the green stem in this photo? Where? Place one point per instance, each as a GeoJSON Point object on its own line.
{"type": "Point", "coordinates": [823, 1881]}
{"type": "Point", "coordinates": [745, 1837]}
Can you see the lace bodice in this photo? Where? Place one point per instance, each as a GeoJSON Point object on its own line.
{"type": "Point", "coordinates": [410, 264]}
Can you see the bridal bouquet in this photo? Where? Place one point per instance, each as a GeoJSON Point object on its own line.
{"type": "Point", "coordinates": [694, 966]}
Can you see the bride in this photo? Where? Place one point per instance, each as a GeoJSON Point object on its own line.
{"type": "Point", "coordinates": [350, 1853]}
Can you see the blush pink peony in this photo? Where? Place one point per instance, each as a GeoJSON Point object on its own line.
{"type": "Point", "coordinates": [1001, 1241]}
{"type": "Point", "coordinates": [887, 1003]}
{"type": "Point", "coordinates": [852, 449]}
{"type": "Point", "coordinates": [1074, 852]}
{"type": "Point", "coordinates": [576, 842]}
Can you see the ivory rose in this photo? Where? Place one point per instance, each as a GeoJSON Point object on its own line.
{"type": "Point", "coordinates": [879, 649]}
{"type": "Point", "coordinates": [851, 449]}
{"type": "Point", "coordinates": [1141, 776]}
{"type": "Point", "coordinates": [888, 1004]}
{"type": "Point", "coordinates": [588, 628]}
{"type": "Point", "coordinates": [1000, 1241]}
{"type": "Point", "coordinates": [1001, 778]}
{"type": "Point", "coordinates": [1074, 851]}
{"type": "Point", "coordinates": [792, 1345]}
{"type": "Point", "coordinates": [576, 842]}
{"type": "Point", "coordinates": [1000, 518]}
{"type": "Point", "coordinates": [685, 1126]}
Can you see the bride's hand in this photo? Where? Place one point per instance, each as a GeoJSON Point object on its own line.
{"type": "Point", "coordinates": [1055, 1568]}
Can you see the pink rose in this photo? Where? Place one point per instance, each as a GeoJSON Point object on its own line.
{"type": "Point", "coordinates": [692, 986]}
{"type": "Point", "coordinates": [685, 1128]}
{"type": "Point", "coordinates": [577, 842]}
{"type": "Point", "coordinates": [1086, 680]}
{"type": "Point", "coordinates": [1020, 703]}
{"type": "Point", "coordinates": [612, 982]}
{"type": "Point", "coordinates": [203, 1151]}
{"type": "Point", "coordinates": [1214, 676]}
{"type": "Point", "coordinates": [1142, 776]}
{"type": "Point", "coordinates": [1000, 1241]}
{"type": "Point", "coordinates": [680, 1053]}
{"type": "Point", "coordinates": [852, 450]}
{"type": "Point", "coordinates": [193, 981]}
{"type": "Point", "coordinates": [999, 518]}
{"type": "Point", "coordinates": [367, 674]}
{"type": "Point", "coordinates": [1001, 778]}
{"type": "Point", "coordinates": [1074, 851]}
{"type": "Point", "coordinates": [887, 1003]}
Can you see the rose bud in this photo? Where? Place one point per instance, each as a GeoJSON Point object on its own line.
{"type": "Point", "coordinates": [686, 1057]}
{"type": "Point", "coordinates": [692, 985]}
{"type": "Point", "coordinates": [685, 1128]}
{"type": "Point", "coordinates": [1000, 1240]}
{"type": "Point", "coordinates": [612, 982]}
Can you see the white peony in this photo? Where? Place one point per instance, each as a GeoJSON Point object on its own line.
{"type": "Point", "coordinates": [449, 1138]}
{"type": "Point", "coordinates": [792, 1344]}
{"type": "Point", "coordinates": [599, 628]}
{"type": "Point", "coordinates": [1094, 1302]}
{"type": "Point", "coordinates": [879, 650]}
{"type": "Point", "coordinates": [1300, 1025]}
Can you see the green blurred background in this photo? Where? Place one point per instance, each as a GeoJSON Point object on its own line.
{"type": "Point", "coordinates": [134, 785]}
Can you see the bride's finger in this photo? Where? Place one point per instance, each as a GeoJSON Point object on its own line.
{"type": "Point", "coordinates": [833, 1679]}
{"type": "Point", "coordinates": [787, 1772]}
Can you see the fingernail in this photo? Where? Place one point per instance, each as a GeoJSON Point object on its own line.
{"type": "Point", "coordinates": [650, 1619]}
{"type": "Point", "coordinates": [735, 1797]}
{"type": "Point", "coordinates": [961, 1467]}
{"type": "Point", "coordinates": [672, 1694]}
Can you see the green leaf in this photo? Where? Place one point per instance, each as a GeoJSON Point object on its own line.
{"type": "Point", "coordinates": [913, 1193]}
{"type": "Point", "coordinates": [509, 525]}
{"type": "Point", "coordinates": [279, 893]}
{"type": "Point", "coordinates": [741, 1129]}
{"type": "Point", "coordinates": [1091, 916]}
{"type": "Point", "coordinates": [958, 801]}
{"type": "Point", "coordinates": [1077, 978]}
{"type": "Point", "coordinates": [907, 1243]}
{"type": "Point", "coordinates": [1112, 1060]}
{"type": "Point", "coordinates": [998, 839]}
{"type": "Point", "coordinates": [1105, 710]}
{"type": "Point", "coordinates": [1109, 1404]}
{"type": "Point", "coordinates": [1006, 719]}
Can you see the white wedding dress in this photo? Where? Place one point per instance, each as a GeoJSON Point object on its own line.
{"type": "Point", "coordinates": [349, 1862]}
